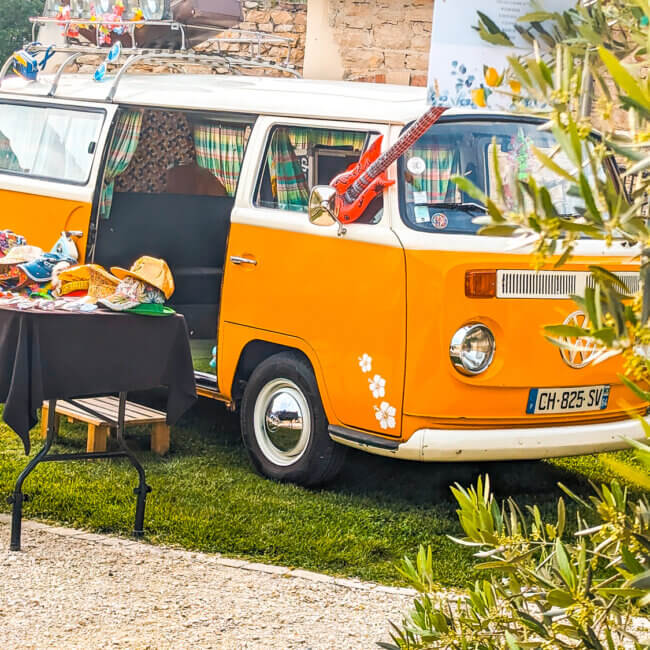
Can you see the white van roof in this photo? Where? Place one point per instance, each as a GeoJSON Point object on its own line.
{"type": "Point", "coordinates": [339, 100]}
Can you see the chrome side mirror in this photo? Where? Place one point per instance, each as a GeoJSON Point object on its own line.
{"type": "Point", "coordinates": [321, 205]}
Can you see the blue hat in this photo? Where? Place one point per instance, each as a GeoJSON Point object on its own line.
{"type": "Point", "coordinates": [40, 270]}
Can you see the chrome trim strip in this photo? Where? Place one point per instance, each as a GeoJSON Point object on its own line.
{"type": "Point", "coordinates": [361, 439]}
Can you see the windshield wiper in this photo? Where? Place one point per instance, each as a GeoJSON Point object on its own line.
{"type": "Point", "coordinates": [458, 206]}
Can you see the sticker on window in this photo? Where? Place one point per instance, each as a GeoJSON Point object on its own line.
{"type": "Point", "coordinates": [420, 197]}
{"type": "Point", "coordinates": [416, 165]}
{"type": "Point", "coordinates": [439, 221]}
{"type": "Point", "coordinates": [421, 213]}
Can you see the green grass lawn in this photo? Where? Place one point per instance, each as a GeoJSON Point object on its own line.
{"type": "Point", "coordinates": [206, 497]}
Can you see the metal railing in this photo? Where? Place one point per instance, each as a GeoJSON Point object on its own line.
{"type": "Point", "coordinates": [221, 34]}
{"type": "Point", "coordinates": [219, 58]}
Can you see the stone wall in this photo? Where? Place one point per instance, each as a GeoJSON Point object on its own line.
{"type": "Point", "coordinates": [286, 20]}
{"type": "Point", "coordinates": [385, 41]}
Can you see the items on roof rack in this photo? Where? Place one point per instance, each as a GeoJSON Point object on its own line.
{"type": "Point", "coordinates": [214, 52]}
{"type": "Point", "coordinates": [79, 17]}
{"type": "Point", "coordinates": [164, 35]}
{"type": "Point", "coordinates": [26, 65]}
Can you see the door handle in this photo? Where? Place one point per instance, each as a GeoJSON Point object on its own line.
{"type": "Point", "coordinates": [242, 260]}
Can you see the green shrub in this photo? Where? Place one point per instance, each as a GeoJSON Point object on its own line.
{"type": "Point", "coordinates": [545, 589]}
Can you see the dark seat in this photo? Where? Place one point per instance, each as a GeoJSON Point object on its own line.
{"type": "Point", "coordinates": [196, 284]}
{"type": "Point", "coordinates": [189, 232]}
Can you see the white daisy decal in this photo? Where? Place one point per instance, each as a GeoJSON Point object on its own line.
{"type": "Point", "coordinates": [377, 386]}
{"type": "Point", "coordinates": [385, 414]}
{"type": "Point", "coordinates": [365, 363]}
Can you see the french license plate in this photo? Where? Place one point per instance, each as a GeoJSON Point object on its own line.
{"type": "Point", "coordinates": [563, 400]}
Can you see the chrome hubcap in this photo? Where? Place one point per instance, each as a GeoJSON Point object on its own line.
{"type": "Point", "coordinates": [282, 422]}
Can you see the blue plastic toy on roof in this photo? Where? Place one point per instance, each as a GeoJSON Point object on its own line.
{"type": "Point", "coordinates": [26, 64]}
{"type": "Point", "coordinates": [112, 56]}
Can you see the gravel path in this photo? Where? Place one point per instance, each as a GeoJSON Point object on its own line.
{"type": "Point", "coordinates": [70, 589]}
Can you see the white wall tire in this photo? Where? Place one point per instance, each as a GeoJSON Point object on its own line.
{"type": "Point", "coordinates": [283, 423]}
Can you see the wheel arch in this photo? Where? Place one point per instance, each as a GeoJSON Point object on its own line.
{"type": "Point", "coordinates": [258, 349]}
{"type": "Point", "coordinates": [242, 348]}
{"type": "Point", "coordinates": [253, 353]}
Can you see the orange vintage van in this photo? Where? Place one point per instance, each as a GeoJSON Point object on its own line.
{"type": "Point", "coordinates": [404, 334]}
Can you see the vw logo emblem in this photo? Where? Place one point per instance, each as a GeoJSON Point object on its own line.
{"type": "Point", "coordinates": [582, 350]}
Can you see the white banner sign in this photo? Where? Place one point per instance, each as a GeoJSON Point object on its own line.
{"type": "Point", "coordinates": [458, 54]}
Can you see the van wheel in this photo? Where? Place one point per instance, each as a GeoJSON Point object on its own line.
{"type": "Point", "coordinates": [283, 423]}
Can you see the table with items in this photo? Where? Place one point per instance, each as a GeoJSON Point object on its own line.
{"type": "Point", "coordinates": [85, 331]}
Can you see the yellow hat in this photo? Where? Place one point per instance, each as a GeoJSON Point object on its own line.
{"type": "Point", "coordinates": [72, 279]}
{"type": "Point", "coordinates": [151, 270]}
{"type": "Point", "coordinates": [93, 278]}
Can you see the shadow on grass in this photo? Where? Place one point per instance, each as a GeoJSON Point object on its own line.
{"type": "Point", "coordinates": [415, 484]}
{"type": "Point", "coordinates": [206, 497]}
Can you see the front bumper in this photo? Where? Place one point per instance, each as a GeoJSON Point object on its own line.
{"type": "Point", "coordinates": [459, 445]}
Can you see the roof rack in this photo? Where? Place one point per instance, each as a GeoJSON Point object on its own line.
{"type": "Point", "coordinates": [219, 59]}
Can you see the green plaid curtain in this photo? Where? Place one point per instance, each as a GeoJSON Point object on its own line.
{"type": "Point", "coordinates": [288, 181]}
{"type": "Point", "coordinates": [125, 142]}
{"type": "Point", "coordinates": [305, 138]}
{"type": "Point", "coordinates": [441, 165]}
{"type": "Point", "coordinates": [220, 149]}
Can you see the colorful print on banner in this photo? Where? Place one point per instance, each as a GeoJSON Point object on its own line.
{"type": "Point", "coordinates": [463, 69]}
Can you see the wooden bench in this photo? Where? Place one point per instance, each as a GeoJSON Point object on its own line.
{"type": "Point", "coordinates": [99, 430]}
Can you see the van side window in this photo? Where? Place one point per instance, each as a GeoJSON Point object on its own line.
{"type": "Point", "coordinates": [45, 142]}
{"type": "Point", "coordinates": [183, 153]}
{"type": "Point", "coordinates": [297, 158]}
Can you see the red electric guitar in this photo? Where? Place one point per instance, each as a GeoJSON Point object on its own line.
{"type": "Point", "coordinates": [363, 181]}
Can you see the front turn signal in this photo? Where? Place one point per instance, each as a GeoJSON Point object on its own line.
{"type": "Point", "coordinates": [481, 284]}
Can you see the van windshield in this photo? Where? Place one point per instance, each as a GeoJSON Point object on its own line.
{"type": "Point", "coordinates": [431, 201]}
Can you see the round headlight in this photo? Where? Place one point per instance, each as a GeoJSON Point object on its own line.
{"type": "Point", "coordinates": [472, 349]}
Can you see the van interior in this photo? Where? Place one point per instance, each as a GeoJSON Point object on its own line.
{"type": "Point", "coordinates": [165, 204]}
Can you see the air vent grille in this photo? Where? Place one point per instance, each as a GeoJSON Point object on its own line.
{"type": "Point", "coordinates": [631, 280]}
{"type": "Point", "coordinates": [552, 284]}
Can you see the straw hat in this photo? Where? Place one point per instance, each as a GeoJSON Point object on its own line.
{"type": "Point", "coordinates": [93, 278]}
{"type": "Point", "coordinates": [151, 270]}
{"type": "Point", "coordinates": [100, 282]}
{"type": "Point", "coordinates": [21, 254]}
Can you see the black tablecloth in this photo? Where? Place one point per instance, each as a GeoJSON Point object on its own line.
{"type": "Point", "coordinates": [57, 354]}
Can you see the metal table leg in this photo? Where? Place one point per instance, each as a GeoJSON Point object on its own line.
{"type": "Point", "coordinates": [18, 498]}
{"type": "Point", "coordinates": [143, 489]}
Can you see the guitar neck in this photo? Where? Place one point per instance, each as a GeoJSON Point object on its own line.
{"type": "Point", "coordinates": [415, 131]}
